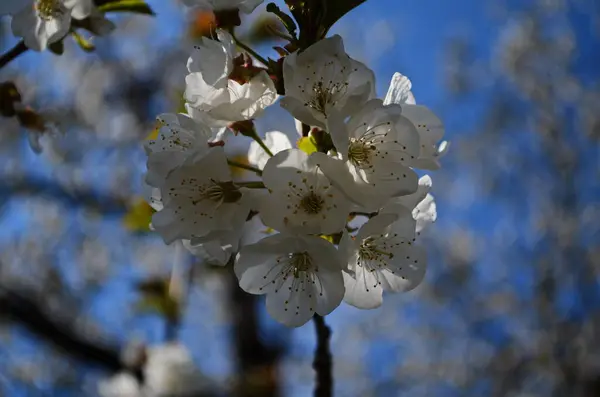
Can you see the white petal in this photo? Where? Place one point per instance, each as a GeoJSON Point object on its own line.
{"type": "Point", "coordinates": [409, 266]}
{"type": "Point", "coordinates": [283, 168]}
{"type": "Point", "coordinates": [427, 123]}
{"type": "Point", "coordinates": [300, 111]}
{"type": "Point", "coordinates": [276, 141]}
{"type": "Point", "coordinates": [338, 132]}
{"type": "Point", "coordinates": [400, 91]}
{"type": "Point", "coordinates": [364, 291]}
{"type": "Point", "coordinates": [376, 225]}
{"type": "Point", "coordinates": [80, 9]}
{"type": "Point", "coordinates": [329, 291]}
{"type": "Point", "coordinates": [290, 307]}
{"type": "Point", "coordinates": [425, 213]}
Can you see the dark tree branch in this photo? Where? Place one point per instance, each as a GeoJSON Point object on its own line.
{"type": "Point", "coordinates": [22, 309]}
{"type": "Point", "coordinates": [257, 362]}
{"type": "Point", "coordinates": [12, 54]}
{"type": "Point", "coordinates": [34, 186]}
{"type": "Point", "coordinates": [323, 362]}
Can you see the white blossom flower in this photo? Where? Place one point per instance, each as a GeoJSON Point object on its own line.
{"type": "Point", "coordinates": [199, 198]}
{"type": "Point", "coordinates": [276, 142]}
{"type": "Point", "coordinates": [301, 275]}
{"type": "Point", "coordinates": [421, 204]}
{"type": "Point", "coordinates": [170, 372]}
{"type": "Point", "coordinates": [180, 138]}
{"type": "Point", "coordinates": [216, 99]}
{"type": "Point", "coordinates": [246, 6]}
{"type": "Point", "coordinates": [323, 77]}
{"type": "Point", "coordinates": [381, 257]}
{"type": "Point", "coordinates": [219, 245]}
{"type": "Point", "coordinates": [301, 198]}
{"type": "Point", "coordinates": [374, 148]}
{"type": "Point", "coordinates": [431, 129]}
{"type": "Point", "coordinates": [120, 385]}
{"type": "Point", "coordinates": [43, 22]}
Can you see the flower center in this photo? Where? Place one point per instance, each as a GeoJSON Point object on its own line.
{"type": "Point", "coordinates": [300, 262]}
{"type": "Point", "coordinates": [326, 94]}
{"type": "Point", "coordinates": [48, 9]}
{"type": "Point", "coordinates": [359, 153]}
{"type": "Point", "coordinates": [312, 203]}
{"type": "Point", "coordinates": [369, 251]}
{"type": "Point", "coordinates": [220, 192]}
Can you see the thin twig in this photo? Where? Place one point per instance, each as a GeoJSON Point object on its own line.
{"type": "Point", "coordinates": [13, 53]}
{"type": "Point", "coordinates": [249, 50]}
{"type": "Point", "coordinates": [323, 361]}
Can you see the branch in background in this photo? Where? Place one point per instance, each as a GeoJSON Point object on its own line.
{"type": "Point", "coordinates": [22, 309]}
{"type": "Point", "coordinates": [257, 363]}
{"type": "Point", "coordinates": [323, 362]}
{"type": "Point", "coordinates": [12, 54]}
{"type": "Point", "coordinates": [34, 186]}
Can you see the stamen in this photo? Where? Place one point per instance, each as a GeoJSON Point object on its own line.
{"type": "Point", "coordinates": [312, 203]}
{"type": "Point", "coordinates": [48, 9]}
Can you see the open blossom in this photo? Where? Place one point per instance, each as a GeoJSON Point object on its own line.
{"type": "Point", "coordinates": [374, 148]}
{"type": "Point", "coordinates": [381, 257]}
{"type": "Point", "coordinates": [179, 138]}
{"type": "Point", "coordinates": [276, 142]}
{"type": "Point", "coordinates": [218, 100]}
{"type": "Point", "coordinates": [246, 6]}
{"type": "Point", "coordinates": [301, 198]}
{"type": "Point", "coordinates": [301, 275]}
{"type": "Point", "coordinates": [431, 129]}
{"type": "Point", "coordinates": [170, 372]}
{"type": "Point", "coordinates": [323, 77]}
{"type": "Point", "coordinates": [43, 22]}
{"type": "Point", "coordinates": [199, 198]}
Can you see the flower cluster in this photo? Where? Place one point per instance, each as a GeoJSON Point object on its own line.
{"type": "Point", "coordinates": [43, 22]}
{"type": "Point", "coordinates": [344, 217]}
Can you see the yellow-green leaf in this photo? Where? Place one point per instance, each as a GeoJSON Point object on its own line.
{"type": "Point", "coordinates": [134, 6]}
{"type": "Point", "coordinates": [85, 44]}
{"type": "Point", "coordinates": [307, 145]}
{"type": "Point", "coordinates": [139, 216]}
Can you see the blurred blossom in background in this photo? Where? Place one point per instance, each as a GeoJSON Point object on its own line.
{"type": "Point", "coordinates": [509, 306]}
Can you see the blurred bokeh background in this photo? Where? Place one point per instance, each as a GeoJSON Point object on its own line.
{"type": "Point", "coordinates": [510, 303]}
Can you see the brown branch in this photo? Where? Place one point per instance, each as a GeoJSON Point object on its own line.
{"type": "Point", "coordinates": [256, 361]}
{"type": "Point", "coordinates": [323, 361]}
{"type": "Point", "coordinates": [12, 54]}
{"type": "Point", "coordinates": [21, 308]}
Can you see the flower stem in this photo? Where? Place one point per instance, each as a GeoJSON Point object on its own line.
{"type": "Point", "coordinates": [323, 361]}
{"type": "Point", "coordinates": [12, 54]}
{"type": "Point", "coordinates": [262, 144]}
{"type": "Point", "coordinates": [249, 50]}
{"type": "Point", "coordinates": [244, 167]}
{"type": "Point", "coordinates": [251, 185]}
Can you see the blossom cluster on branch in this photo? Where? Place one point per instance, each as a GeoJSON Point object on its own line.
{"type": "Point", "coordinates": [363, 166]}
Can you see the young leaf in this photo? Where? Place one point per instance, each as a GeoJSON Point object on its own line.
{"type": "Point", "coordinates": [307, 145]}
{"type": "Point", "coordinates": [85, 44]}
{"type": "Point", "coordinates": [134, 6]}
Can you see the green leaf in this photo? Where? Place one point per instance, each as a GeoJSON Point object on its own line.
{"type": "Point", "coordinates": [287, 20]}
{"type": "Point", "coordinates": [85, 44]}
{"type": "Point", "coordinates": [335, 10]}
{"type": "Point", "coordinates": [307, 145]}
{"type": "Point", "coordinates": [57, 48]}
{"type": "Point", "coordinates": [134, 6]}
